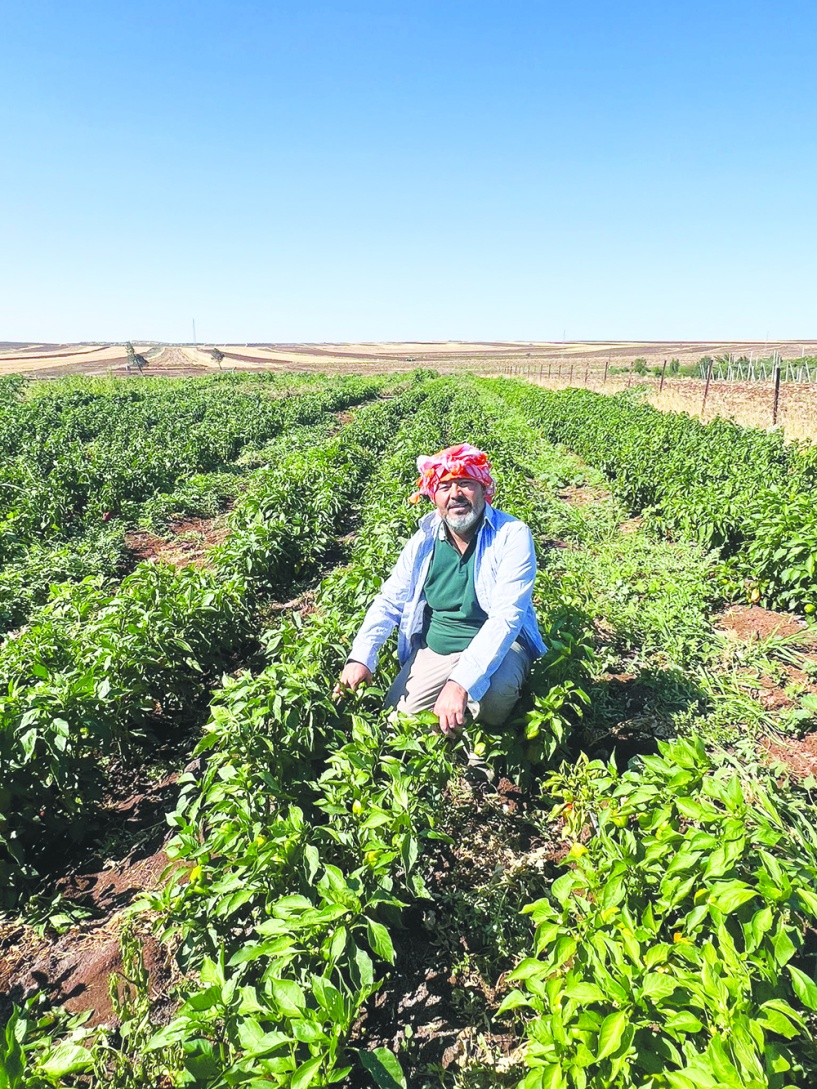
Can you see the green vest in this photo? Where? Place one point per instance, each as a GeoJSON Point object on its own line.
{"type": "Point", "coordinates": [453, 614]}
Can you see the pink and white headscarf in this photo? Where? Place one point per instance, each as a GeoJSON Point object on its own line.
{"type": "Point", "coordinates": [454, 463]}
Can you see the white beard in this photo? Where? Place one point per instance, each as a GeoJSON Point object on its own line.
{"type": "Point", "coordinates": [461, 523]}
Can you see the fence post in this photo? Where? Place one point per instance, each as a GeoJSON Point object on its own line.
{"type": "Point", "coordinates": [570, 379]}
{"type": "Point", "coordinates": [586, 373]}
{"type": "Point", "coordinates": [549, 367]}
{"type": "Point", "coordinates": [776, 403]}
{"type": "Point", "coordinates": [706, 387]}
{"type": "Point", "coordinates": [630, 374]}
{"type": "Point", "coordinates": [606, 368]}
{"type": "Point", "coordinates": [663, 372]}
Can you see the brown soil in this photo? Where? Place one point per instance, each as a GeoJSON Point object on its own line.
{"type": "Point", "coordinates": [631, 525]}
{"type": "Point", "coordinates": [582, 495]}
{"type": "Point", "coordinates": [751, 622]}
{"type": "Point", "coordinates": [535, 360]}
{"type": "Point", "coordinates": [57, 352]}
{"type": "Point", "coordinates": [190, 542]}
{"type": "Point", "coordinates": [798, 757]}
{"type": "Point", "coordinates": [771, 695]}
{"type": "Point", "coordinates": [259, 364]}
{"type": "Point", "coordinates": [73, 969]}
{"type": "Point", "coordinates": [437, 1007]}
{"type": "Point", "coordinates": [100, 367]}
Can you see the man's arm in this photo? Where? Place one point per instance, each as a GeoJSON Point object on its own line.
{"type": "Point", "coordinates": [516, 572]}
{"type": "Point", "coordinates": [382, 616]}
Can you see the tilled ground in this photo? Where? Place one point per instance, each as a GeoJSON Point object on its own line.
{"type": "Point", "coordinates": [67, 944]}
{"type": "Point", "coordinates": [186, 543]}
{"type": "Point", "coordinates": [436, 1009]}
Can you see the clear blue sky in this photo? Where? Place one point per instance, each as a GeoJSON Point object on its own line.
{"type": "Point", "coordinates": [288, 171]}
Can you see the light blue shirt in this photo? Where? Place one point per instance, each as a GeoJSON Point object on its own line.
{"type": "Point", "coordinates": [504, 571]}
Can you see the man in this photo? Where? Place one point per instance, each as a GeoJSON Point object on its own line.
{"type": "Point", "coordinates": [460, 595]}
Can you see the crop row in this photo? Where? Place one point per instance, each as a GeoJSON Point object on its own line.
{"type": "Point", "coordinates": [672, 952]}
{"type": "Point", "coordinates": [307, 831]}
{"type": "Point", "coordinates": [76, 454]}
{"type": "Point", "coordinates": [96, 671]}
{"type": "Point", "coordinates": [306, 834]}
{"type": "Point", "coordinates": [82, 462]}
{"type": "Point", "coordinates": [739, 490]}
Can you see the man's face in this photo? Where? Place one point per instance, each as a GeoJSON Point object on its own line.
{"type": "Point", "coordinates": [460, 502]}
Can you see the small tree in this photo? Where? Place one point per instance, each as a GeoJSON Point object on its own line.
{"type": "Point", "coordinates": [640, 365]}
{"type": "Point", "coordinates": [674, 367]}
{"type": "Point", "coordinates": [134, 359]}
{"type": "Point", "coordinates": [217, 355]}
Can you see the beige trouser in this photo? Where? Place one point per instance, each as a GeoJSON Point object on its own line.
{"type": "Point", "coordinates": [420, 681]}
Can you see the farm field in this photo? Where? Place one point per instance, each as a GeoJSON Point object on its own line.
{"type": "Point", "coordinates": [53, 360]}
{"type": "Point", "coordinates": [603, 367]}
{"type": "Point", "coordinates": [212, 874]}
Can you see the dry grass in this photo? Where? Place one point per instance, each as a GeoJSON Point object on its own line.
{"type": "Point", "coordinates": [746, 403]}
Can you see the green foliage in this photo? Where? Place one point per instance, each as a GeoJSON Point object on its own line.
{"type": "Point", "coordinates": [726, 487]}
{"type": "Point", "coordinates": [28, 1057]}
{"type": "Point", "coordinates": [82, 460]}
{"type": "Point", "coordinates": [672, 950]}
{"type": "Point", "coordinates": [95, 671]}
{"type": "Point", "coordinates": [653, 597]}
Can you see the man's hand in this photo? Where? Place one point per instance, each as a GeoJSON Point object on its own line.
{"type": "Point", "coordinates": [450, 708]}
{"type": "Point", "coordinates": [353, 676]}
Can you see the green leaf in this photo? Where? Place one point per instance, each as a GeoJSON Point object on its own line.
{"type": "Point", "coordinates": [338, 943]}
{"type": "Point", "coordinates": [67, 1059]}
{"type": "Point", "coordinates": [380, 941]}
{"type": "Point", "coordinates": [548, 1077]}
{"type": "Point", "coordinates": [288, 906]}
{"type": "Point", "coordinates": [384, 1067]}
{"type": "Point", "coordinates": [804, 988]}
{"type": "Point", "coordinates": [784, 948]}
{"type": "Point", "coordinates": [365, 968]}
{"type": "Point", "coordinates": [683, 1021]}
{"type": "Point", "coordinates": [730, 896]}
{"type": "Point", "coordinates": [808, 901]}
{"type": "Point", "coordinates": [313, 861]}
{"type": "Point", "coordinates": [585, 992]}
{"type": "Point", "coordinates": [610, 1034]}
{"type": "Point", "coordinates": [328, 997]}
{"type": "Point", "coordinates": [658, 986]}
{"type": "Point", "coordinates": [201, 1059]}
{"type": "Point", "coordinates": [775, 1021]}
{"type": "Point", "coordinates": [289, 997]}
{"type": "Point", "coordinates": [305, 1074]}
{"type": "Point", "coordinates": [513, 1001]}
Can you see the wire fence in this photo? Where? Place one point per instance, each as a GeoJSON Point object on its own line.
{"type": "Point", "coordinates": [745, 369]}
{"type": "Point", "coordinates": [766, 392]}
